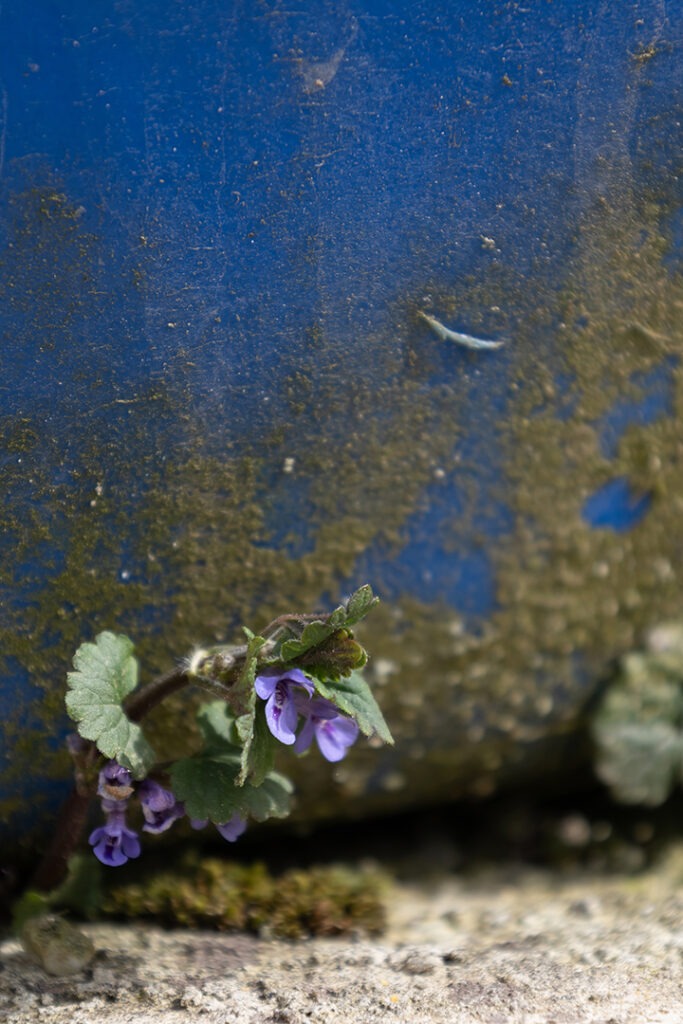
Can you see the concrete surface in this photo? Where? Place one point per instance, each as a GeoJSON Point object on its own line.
{"type": "Point", "coordinates": [505, 946]}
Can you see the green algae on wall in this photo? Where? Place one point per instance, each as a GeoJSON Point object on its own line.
{"type": "Point", "coordinates": [193, 527]}
{"type": "Point", "coordinates": [197, 526]}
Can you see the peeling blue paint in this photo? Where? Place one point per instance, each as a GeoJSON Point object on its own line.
{"type": "Point", "coordinates": [656, 401]}
{"type": "Point", "coordinates": [616, 506]}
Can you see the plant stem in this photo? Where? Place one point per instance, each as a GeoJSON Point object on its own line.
{"type": "Point", "coordinates": [283, 620]}
{"type": "Point", "coordinates": [68, 830]}
{"type": "Point", "coordinates": [141, 703]}
{"type": "Point", "coordinates": [73, 814]}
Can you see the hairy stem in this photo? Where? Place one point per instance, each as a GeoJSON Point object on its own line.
{"type": "Point", "coordinates": [284, 620]}
{"type": "Point", "coordinates": [141, 703]}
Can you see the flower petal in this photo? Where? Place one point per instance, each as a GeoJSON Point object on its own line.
{"type": "Point", "coordinates": [233, 829]}
{"type": "Point", "coordinates": [114, 782]}
{"type": "Point", "coordinates": [305, 737]}
{"type": "Point", "coordinates": [265, 685]}
{"type": "Point", "coordinates": [334, 737]}
{"type": "Point", "coordinates": [282, 716]}
{"type": "Point", "coordinates": [159, 806]}
{"type": "Point", "coordinates": [283, 693]}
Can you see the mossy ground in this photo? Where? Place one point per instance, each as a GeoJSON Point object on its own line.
{"type": "Point", "coordinates": [207, 892]}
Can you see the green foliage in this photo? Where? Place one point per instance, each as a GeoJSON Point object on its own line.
{"type": "Point", "coordinates": [638, 728]}
{"type": "Point", "coordinates": [30, 904]}
{"type": "Point", "coordinates": [359, 604]}
{"type": "Point", "coordinates": [257, 756]}
{"type": "Point", "coordinates": [258, 753]}
{"type": "Point", "coordinates": [207, 784]}
{"type": "Point", "coordinates": [217, 727]}
{"type": "Point", "coordinates": [337, 655]}
{"type": "Point", "coordinates": [225, 735]}
{"type": "Point", "coordinates": [105, 673]}
{"type": "Point", "coordinates": [315, 635]}
{"type": "Point", "coordinates": [242, 696]}
{"type": "Point", "coordinates": [353, 696]}
{"type": "Point", "coordinates": [233, 773]}
{"type": "Point", "coordinates": [81, 892]}
{"type": "Point", "coordinates": [640, 763]}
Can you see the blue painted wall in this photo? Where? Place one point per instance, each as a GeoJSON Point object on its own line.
{"type": "Point", "coordinates": [227, 176]}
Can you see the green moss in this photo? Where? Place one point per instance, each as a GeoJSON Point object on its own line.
{"type": "Point", "coordinates": [212, 893]}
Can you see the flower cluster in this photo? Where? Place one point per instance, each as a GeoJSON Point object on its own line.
{"type": "Point", "coordinates": [295, 716]}
{"type": "Point", "coordinates": [298, 683]}
{"type": "Point", "coordinates": [114, 843]}
{"type": "Point", "coordinates": [289, 697]}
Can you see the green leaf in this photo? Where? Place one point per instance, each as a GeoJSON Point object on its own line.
{"type": "Point", "coordinates": [359, 604]}
{"type": "Point", "coordinates": [217, 727]}
{"type": "Point", "coordinates": [207, 786]}
{"type": "Point", "coordinates": [242, 697]}
{"type": "Point", "coordinates": [224, 736]}
{"type": "Point", "coordinates": [82, 890]}
{"type": "Point", "coordinates": [244, 704]}
{"type": "Point", "coordinates": [106, 672]}
{"type": "Point", "coordinates": [314, 634]}
{"type": "Point", "coordinates": [337, 656]}
{"type": "Point", "coordinates": [258, 757]}
{"type": "Point", "coordinates": [637, 729]}
{"type": "Point", "coordinates": [641, 763]}
{"type": "Point", "coordinates": [30, 904]}
{"type": "Point", "coordinates": [353, 696]}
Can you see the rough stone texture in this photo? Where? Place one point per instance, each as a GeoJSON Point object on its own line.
{"type": "Point", "coordinates": [509, 946]}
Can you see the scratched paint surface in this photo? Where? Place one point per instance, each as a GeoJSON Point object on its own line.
{"type": "Point", "coordinates": [222, 226]}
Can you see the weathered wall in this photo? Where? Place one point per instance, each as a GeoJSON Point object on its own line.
{"type": "Point", "coordinates": [219, 401]}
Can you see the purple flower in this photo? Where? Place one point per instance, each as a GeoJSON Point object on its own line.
{"type": "Point", "coordinates": [159, 806]}
{"type": "Point", "coordinates": [230, 830]}
{"type": "Point", "coordinates": [334, 733]}
{"type": "Point", "coordinates": [279, 691]}
{"type": "Point", "coordinates": [113, 843]}
{"type": "Point", "coordinates": [114, 782]}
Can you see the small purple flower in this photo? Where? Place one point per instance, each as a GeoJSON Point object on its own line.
{"type": "Point", "coordinates": [334, 733]}
{"type": "Point", "coordinates": [114, 843]}
{"type": "Point", "coordinates": [159, 806]}
{"type": "Point", "coordinates": [230, 830]}
{"type": "Point", "coordinates": [114, 782]}
{"type": "Point", "coordinates": [279, 691]}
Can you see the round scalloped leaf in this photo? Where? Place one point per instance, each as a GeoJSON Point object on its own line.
{"type": "Point", "coordinates": [105, 673]}
{"type": "Point", "coordinates": [207, 787]}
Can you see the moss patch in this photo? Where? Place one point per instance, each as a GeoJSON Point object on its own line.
{"type": "Point", "coordinates": [212, 893]}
